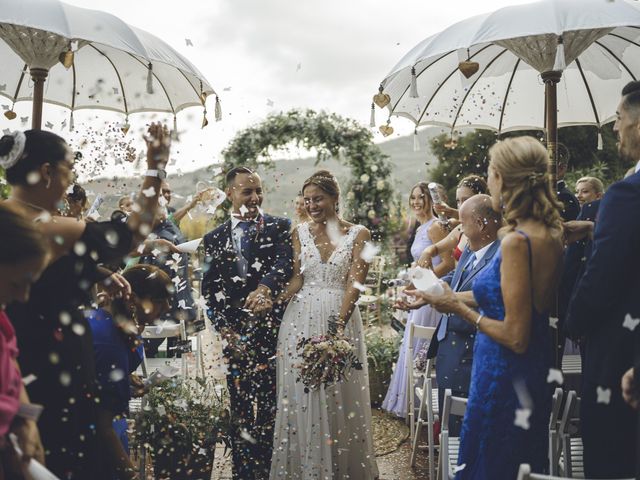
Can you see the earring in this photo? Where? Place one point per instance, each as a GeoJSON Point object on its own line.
{"type": "Point", "coordinates": [501, 202]}
{"type": "Point", "coordinates": [48, 185]}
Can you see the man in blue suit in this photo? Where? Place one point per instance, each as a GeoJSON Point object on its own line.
{"type": "Point", "coordinates": [603, 308]}
{"type": "Point", "coordinates": [248, 262]}
{"type": "Point", "coordinates": [453, 344]}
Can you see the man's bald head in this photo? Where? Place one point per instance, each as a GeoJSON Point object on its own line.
{"type": "Point", "coordinates": [480, 222]}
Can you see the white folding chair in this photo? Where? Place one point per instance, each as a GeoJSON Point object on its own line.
{"type": "Point", "coordinates": [164, 331]}
{"type": "Point", "coordinates": [524, 473]}
{"type": "Point", "coordinates": [415, 332]}
{"type": "Point", "coordinates": [570, 462]}
{"type": "Point", "coordinates": [427, 400]}
{"type": "Point", "coordinates": [554, 434]}
{"type": "Point", "coordinates": [449, 446]}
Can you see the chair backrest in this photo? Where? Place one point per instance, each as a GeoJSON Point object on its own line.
{"type": "Point", "coordinates": [418, 331]}
{"type": "Point", "coordinates": [524, 473]}
{"type": "Point", "coordinates": [568, 412]}
{"type": "Point", "coordinates": [555, 408]}
{"type": "Point", "coordinates": [452, 406]}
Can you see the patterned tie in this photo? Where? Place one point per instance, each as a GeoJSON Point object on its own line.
{"type": "Point", "coordinates": [444, 321]}
{"type": "Point", "coordinates": [245, 240]}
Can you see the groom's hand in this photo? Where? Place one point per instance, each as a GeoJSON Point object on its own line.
{"type": "Point", "coordinates": [259, 301]}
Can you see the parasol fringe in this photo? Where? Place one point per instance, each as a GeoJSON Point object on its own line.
{"type": "Point", "coordinates": [372, 118]}
{"type": "Point", "coordinates": [71, 122]}
{"type": "Point", "coordinates": [560, 63]}
{"type": "Point", "coordinates": [218, 110]}
{"type": "Point", "coordinates": [413, 91]}
{"type": "Point", "coordinates": [416, 140]}
{"type": "Point", "coordinates": [150, 79]}
{"type": "Point", "coordinates": [600, 141]}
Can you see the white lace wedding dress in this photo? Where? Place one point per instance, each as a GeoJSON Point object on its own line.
{"type": "Point", "coordinates": [326, 433]}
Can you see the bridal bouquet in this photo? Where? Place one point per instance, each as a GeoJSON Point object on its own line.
{"type": "Point", "coordinates": [326, 359]}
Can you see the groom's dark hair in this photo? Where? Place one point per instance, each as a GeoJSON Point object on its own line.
{"type": "Point", "coordinates": [234, 172]}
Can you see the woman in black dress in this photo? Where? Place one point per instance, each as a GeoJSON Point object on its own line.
{"type": "Point", "coordinates": [53, 336]}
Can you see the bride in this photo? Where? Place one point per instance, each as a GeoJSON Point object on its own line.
{"type": "Point", "coordinates": [325, 433]}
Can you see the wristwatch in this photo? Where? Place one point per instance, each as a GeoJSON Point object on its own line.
{"type": "Point", "coordinates": [161, 174]}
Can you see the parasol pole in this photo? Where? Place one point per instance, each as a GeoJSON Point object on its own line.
{"type": "Point", "coordinates": [38, 75]}
{"type": "Point", "coordinates": [551, 80]}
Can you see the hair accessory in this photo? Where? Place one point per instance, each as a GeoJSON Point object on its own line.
{"type": "Point", "coordinates": [536, 178]}
{"type": "Point", "coordinates": [10, 159]}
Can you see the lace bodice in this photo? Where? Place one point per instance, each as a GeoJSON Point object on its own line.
{"type": "Point", "coordinates": [333, 272]}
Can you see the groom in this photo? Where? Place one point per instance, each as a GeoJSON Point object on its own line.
{"type": "Point", "coordinates": [248, 261]}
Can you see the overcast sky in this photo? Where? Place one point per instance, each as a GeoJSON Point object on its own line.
{"type": "Point", "coordinates": [265, 56]}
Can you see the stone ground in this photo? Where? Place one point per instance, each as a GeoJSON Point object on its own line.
{"type": "Point", "coordinates": [392, 466]}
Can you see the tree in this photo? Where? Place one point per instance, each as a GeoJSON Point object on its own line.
{"type": "Point", "coordinates": [470, 154]}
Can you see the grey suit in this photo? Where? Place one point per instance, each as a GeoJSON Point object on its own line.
{"type": "Point", "coordinates": [454, 353]}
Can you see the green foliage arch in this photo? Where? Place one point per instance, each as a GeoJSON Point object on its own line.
{"type": "Point", "coordinates": [368, 198]}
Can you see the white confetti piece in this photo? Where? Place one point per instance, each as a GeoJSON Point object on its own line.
{"type": "Point", "coordinates": [359, 286]}
{"type": "Point", "coordinates": [220, 297]}
{"type": "Point", "coordinates": [553, 322]}
{"type": "Point", "coordinates": [522, 418]}
{"type": "Point", "coordinates": [116, 375]}
{"type": "Point", "coordinates": [459, 468]}
{"type": "Point", "coordinates": [243, 210]}
{"type": "Point", "coordinates": [155, 252]}
{"type": "Point", "coordinates": [630, 322]}
{"type": "Point", "coordinates": [369, 252]}
{"type": "Point", "coordinates": [257, 265]}
{"type": "Point", "coordinates": [149, 192]}
{"type": "Point", "coordinates": [555, 375]}
{"type": "Point", "coordinates": [29, 379]}
{"type": "Point", "coordinates": [182, 304]}
{"type": "Point", "coordinates": [245, 436]}
{"type": "Point", "coordinates": [604, 395]}
{"type": "Point", "coordinates": [236, 279]}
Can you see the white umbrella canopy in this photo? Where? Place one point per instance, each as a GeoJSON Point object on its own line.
{"type": "Point", "coordinates": [515, 49]}
{"type": "Point", "coordinates": [115, 66]}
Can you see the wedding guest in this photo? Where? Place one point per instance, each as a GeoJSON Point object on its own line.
{"type": "Point", "coordinates": [429, 232]}
{"type": "Point", "coordinates": [301, 212]}
{"type": "Point", "coordinates": [76, 201]}
{"type": "Point", "coordinates": [125, 204]}
{"type": "Point", "coordinates": [116, 328]}
{"type": "Point", "coordinates": [455, 241]}
{"type": "Point", "coordinates": [453, 344]}
{"type": "Point", "coordinates": [507, 416]}
{"type": "Point", "coordinates": [603, 307]}
{"type": "Point", "coordinates": [248, 262]}
{"type": "Point", "coordinates": [23, 257]}
{"type": "Point", "coordinates": [589, 189]}
{"type": "Point", "coordinates": [176, 266]}
{"type": "Point", "coordinates": [54, 338]}
{"type": "Point", "coordinates": [571, 207]}
{"type": "Point", "coordinates": [166, 192]}
{"type": "Point", "coordinates": [176, 216]}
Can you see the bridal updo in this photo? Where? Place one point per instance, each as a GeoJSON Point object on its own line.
{"type": "Point", "coordinates": [325, 181]}
{"type": "Point", "coordinates": [523, 163]}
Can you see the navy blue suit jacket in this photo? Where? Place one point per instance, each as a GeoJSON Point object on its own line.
{"type": "Point", "coordinates": [610, 287]}
{"type": "Point", "coordinates": [455, 352]}
{"type": "Point", "coordinates": [222, 286]}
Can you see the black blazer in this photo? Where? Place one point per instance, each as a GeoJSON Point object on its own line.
{"type": "Point", "coordinates": [609, 290]}
{"type": "Point", "coordinates": [222, 287]}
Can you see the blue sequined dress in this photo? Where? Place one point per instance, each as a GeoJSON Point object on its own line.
{"type": "Point", "coordinates": [502, 383]}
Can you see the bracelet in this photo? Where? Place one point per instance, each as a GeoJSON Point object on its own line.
{"type": "Point", "coordinates": [480, 317]}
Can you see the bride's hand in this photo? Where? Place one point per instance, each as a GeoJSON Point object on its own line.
{"type": "Point", "coordinates": [447, 302]}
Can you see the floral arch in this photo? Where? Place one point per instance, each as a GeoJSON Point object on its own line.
{"type": "Point", "coordinates": [369, 199]}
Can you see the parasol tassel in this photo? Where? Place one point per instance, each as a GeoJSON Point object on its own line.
{"type": "Point", "coordinates": [205, 122]}
{"type": "Point", "coordinates": [71, 122]}
{"type": "Point", "coordinates": [413, 91]}
{"type": "Point", "coordinates": [218, 110]}
{"type": "Point", "coordinates": [600, 142]}
{"type": "Point", "coordinates": [150, 79]}
{"type": "Point", "coordinates": [174, 133]}
{"type": "Point", "coordinates": [416, 141]}
{"type": "Point", "coordinates": [372, 119]}
{"type": "Point", "coordinates": [560, 64]}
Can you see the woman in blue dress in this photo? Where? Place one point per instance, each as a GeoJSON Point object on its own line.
{"type": "Point", "coordinates": [429, 232]}
{"type": "Point", "coordinates": [509, 398]}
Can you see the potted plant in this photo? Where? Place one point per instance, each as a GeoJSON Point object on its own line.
{"type": "Point", "coordinates": [180, 424]}
{"type": "Point", "coordinates": [382, 353]}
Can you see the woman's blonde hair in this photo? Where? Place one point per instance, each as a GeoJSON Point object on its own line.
{"type": "Point", "coordinates": [523, 164]}
{"type": "Point", "coordinates": [595, 183]}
